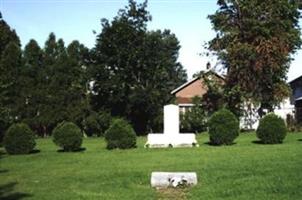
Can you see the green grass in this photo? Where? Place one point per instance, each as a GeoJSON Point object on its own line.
{"type": "Point", "coordinates": [245, 170]}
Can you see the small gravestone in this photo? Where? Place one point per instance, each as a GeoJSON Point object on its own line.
{"type": "Point", "coordinates": [173, 179]}
{"type": "Point", "coordinates": [171, 136]}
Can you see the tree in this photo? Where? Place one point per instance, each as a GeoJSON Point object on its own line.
{"type": "Point", "coordinates": [32, 88]}
{"type": "Point", "coordinates": [65, 83]}
{"type": "Point", "coordinates": [133, 69]}
{"type": "Point", "coordinates": [54, 84]}
{"type": "Point", "coordinates": [214, 99]}
{"type": "Point", "coordinates": [9, 43]}
{"type": "Point", "coordinates": [255, 40]}
{"type": "Point", "coordinates": [10, 65]}
{"type": "Point", "coordinates": [7, 35]}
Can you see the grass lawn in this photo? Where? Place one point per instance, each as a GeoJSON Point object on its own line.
{"type": "Point", "coordinates": [245, 170]}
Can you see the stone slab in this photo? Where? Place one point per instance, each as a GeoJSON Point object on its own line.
{"type": "Point", "coordinates": [173, 179]}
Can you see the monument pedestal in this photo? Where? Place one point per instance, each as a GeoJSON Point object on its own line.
{"type": "Point", "coordinates": [180, 140]}
{"type": "Point", "coordinates": [171, 136]}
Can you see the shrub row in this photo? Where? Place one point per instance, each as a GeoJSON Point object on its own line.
{"type": "Point", "coordinates": [224, 128]}
{"type": "Point", "coordinates": [20, 139]}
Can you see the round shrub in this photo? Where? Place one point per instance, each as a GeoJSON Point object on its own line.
{"type": "Point", "coordinates": [19, 139]}
{"type": "Point", "coordinates": [223, 127]}
{"type": "Point", "coordinates": [68, 136]}
{"type": "Point", "coordinates": [120, 135]}
{"type": "Point", "coordinates": [97, 123]}
{"type": "Point", "coordinates": [271, 129]}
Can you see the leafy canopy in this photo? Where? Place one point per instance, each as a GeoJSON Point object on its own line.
{"type": "Point", "coordinates": [255, 40]}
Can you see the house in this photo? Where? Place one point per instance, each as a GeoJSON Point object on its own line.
{"type": "Point", "coordinates": [296, 98]}
{"type": "Point", "coordinates": [197, 87]}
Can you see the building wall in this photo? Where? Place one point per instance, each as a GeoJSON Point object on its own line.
{"type": "Point", "coordinates": [251, 120]}
{"type": "Point", "coordinates": [185, 95]}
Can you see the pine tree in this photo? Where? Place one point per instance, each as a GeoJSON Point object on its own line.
{"type": "Point", "coordinates": [10, 66]}
{"type": "Point", "coordinates": [63, 84]}
{"type": "Point", "coordinates": [32, 77]}
{"type": "Point", "coordinates": [9, 44]}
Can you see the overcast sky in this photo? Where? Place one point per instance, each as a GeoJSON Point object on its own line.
{"type": "Point", "coordinates": [76, 19]}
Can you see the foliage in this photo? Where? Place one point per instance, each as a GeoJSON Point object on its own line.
{"type": "Point", "coordinates": [120, 135]}
{"type": "Point", "coordinates": [19, 139]}
{"type": "Point", "coordinates": [130, 65]}
{"type": "Point", "coordinates": [33, 95]}
{"type": "Point", "coordinates": [292, 123]}
{"type": "Point", "coordinates": [10, 55]}
{"type": "Point", "coordinates": [10, 62]}
{"type": "Point", "coordinates": [194, 120]}
{"type": "Point", "coordinates": [65, 83]}
{"type": "Point", "coordinates": [97, 123]}
{"type": "Point", "coordinates": [271, 129]}
{"type": "Point", "coordinates": [255, 41]}
{"type": "Point", "coordinates": [214, 98]}
{"type": "Point", "coordinates": [68, 136]}
{"type": "Point", "coordinates": [223, 127]}
{"type": "Point", "coordinates": [7, 35]}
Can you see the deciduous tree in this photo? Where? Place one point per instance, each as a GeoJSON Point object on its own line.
{"type": "Point", "coordinates": [134, 69]}
{"type": "Point", "coordinates": [255, 40]}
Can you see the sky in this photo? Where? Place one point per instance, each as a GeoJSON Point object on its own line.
{"type": "Point", "coordinates": [77, 19]}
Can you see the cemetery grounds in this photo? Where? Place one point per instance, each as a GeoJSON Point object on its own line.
{"type": "Point", "coordinates": [245, 170]}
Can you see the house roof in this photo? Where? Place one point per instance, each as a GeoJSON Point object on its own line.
{"type": "Point", "coordinates": [193, 80]}
{"type": "Point", "coordinates": [185, 85]}
{"type": "Point", "coordinates": [295, 79]}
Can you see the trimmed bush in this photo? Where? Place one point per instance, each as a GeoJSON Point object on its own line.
{"type": "Point", "coordinates": [120, 135]}
{"type": "Point", "coordinates": [271, 129]}
{"type": "Point", "coordinates": [19, 139]}
{"type": "Point", "coordinates": [97, 123]}
{"type": "Point", "coordinates": [68, 136]}
{"type": "Point", "coordinates": [223, 127]}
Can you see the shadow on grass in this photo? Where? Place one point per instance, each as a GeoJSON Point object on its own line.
{"type": "Point", "coordinates": [262, 143]}
{"type": "Point", "coordinates": [32, 152]}
{"type": "Point", "coordinates": [3, 171]}
{"type": "Point", "coordinates": [258, 142]}
{"type": "Point", "coordinates": [300, 140]}
{"type": "Point", "coordinates": [2, 153]}
{"type": "Point", "coordinates": [218, 145]}
{"type": "Point", "coordinates": [35, 151]}
{"type": "Point", "coordinates": [78, 150]}
{"type": "Point", "coordinates": [7, 192]}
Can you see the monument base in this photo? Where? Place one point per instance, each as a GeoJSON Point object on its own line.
{"type": "Point", "coordinates": [159, 140]}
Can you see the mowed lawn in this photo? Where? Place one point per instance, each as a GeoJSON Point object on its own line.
{"type": "Point", "coordinates": [245, 170]}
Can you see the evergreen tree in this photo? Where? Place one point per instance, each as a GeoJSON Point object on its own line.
{"type": "Point", "coordinates": [64, 83]}
{"type": "Point", "coordinates": [10, 65]}
{"type": "Point", "coordinates": [32, 79]}
{"type": "Point", "coordinates": [7, 35]}
{"type": "Point", "coordinates": [9, 44]}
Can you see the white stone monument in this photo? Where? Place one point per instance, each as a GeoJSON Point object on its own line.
{"type": "Point", "coordinates": [171, 136]}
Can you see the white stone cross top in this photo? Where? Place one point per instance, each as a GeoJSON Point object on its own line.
{"type": "Point", "coordinates": [171, 136]}
{"type": "Point", "coordinates": [171, 119]}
